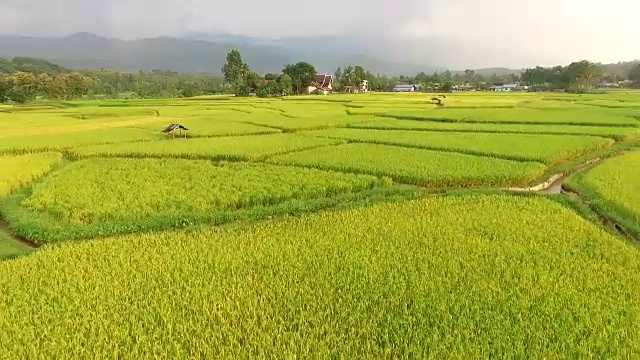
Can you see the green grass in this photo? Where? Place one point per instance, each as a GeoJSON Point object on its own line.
{"type": "Point", "coordinates": [249, 148]}
{"type": "Point", "coordinates": [548, 149]}
{"type": "Point", "coordinates": [19, 171]}
{"type": "Point", "coordinates": [440, 277]}
{"type": "Point", "coordinates": [10, 249]}
{"type": "Point", "coordinates": [105, 196]}
{"type": "Point", "coordinates": [618, 133]}
{"type": "Point", "coordinates": [613, 188]}
{"type": "Point", "coordinates": [416, 166]}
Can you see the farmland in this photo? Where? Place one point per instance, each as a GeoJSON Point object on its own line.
{"type": "Point", "coordinates": [341, 226]}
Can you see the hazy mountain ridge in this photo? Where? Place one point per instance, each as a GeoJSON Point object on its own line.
{"type": "Point", "coordinates": [85, 50]}
{"type": "Point", "coordinates": [206, 53]}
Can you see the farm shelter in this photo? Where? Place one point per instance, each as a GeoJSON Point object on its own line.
{"type": "Point", "coordinates": [173, 128]}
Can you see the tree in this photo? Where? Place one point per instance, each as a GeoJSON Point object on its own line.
{"type": "Point", "coordinates": [422, 78]}
{"type": "Point", "coordinates": [235, 68]}
{"type": "Point", "coordinates": [469, 74]}
{"type": "Point", "coordinates": [447, 86]}
{"type": "Point", "coordinates": [302, 74]}
{"type": "Point", "coordinates": [583, 73]}
{"type": "Point", "coordinates": [7, 66]}
{"type": "Point", "coordinates": [23, 87]}
{"type": "Point", "coordinates": [77, 85]}
{"type": "Point", "coordinates": [4, 88]}
{"type": "Point", "coordinates": [359, 75]}
{"type": "Point", "coordinates": [285, 84]}
{"type": "Point", "coordinates": [337, 80]}
{"type": "Point", "coordinates": [634, 73]}
{"type": "Point", "coordinates": [348, 76]}
{"type": "Point", "coordinates": [235, 73]}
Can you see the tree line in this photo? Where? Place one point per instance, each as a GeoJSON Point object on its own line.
{"type": "Point", "coordinates": [24, 79]}
{"type": "Point", "coordinates": [577, 77]}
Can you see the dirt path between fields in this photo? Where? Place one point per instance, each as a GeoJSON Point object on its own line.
{"type": "Point", "coordinates": [555, 184]}
{"type": "Point", "coordinates": [6, 231]}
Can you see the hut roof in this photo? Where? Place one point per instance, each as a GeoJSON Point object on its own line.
{"type": "Point", "coordinates": [173, 127]}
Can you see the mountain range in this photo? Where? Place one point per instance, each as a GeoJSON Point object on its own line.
{"type": "Point", "coordinates": [193, 54]}
{"type": "Point", "coordinates": [206, 53]}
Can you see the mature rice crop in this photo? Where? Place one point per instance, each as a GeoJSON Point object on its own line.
{"type": "Point", "coordinates": [613, 187]}
{"type": "Point", "coordinates": [511, 116]}
{"type": "Point", "coordinates": [213, 126]}
{"type": "Point", "coordinates": [288, 123]}
{"type": "Point", "coordinates": [103, 196]}
{"type": "Point", "coordinates": [547, 149]}
{"type": "Point", "coordinates": [18, 122]}
{"type": "Point", "coordinates": [65, 141]}
{"type": "Point", "coordinates": [18, 171]}
{"type": "Point", "coordinates": [103, 124]}
{"type": "Point", "coordinates": [436, 278]}
{"type": "Point", "coordinates": [618, 133]}
{"type": "Point", "coordinates": [233, 148]}
{"type": "Point", "coordinates": [416, 166]}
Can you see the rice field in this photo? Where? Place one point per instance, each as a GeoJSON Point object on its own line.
{"type": "Point", "coordinates": [94, 196]}
{"type": "Point", "coordinates": [342, 226]}
{"type": "Point", "coordinates": [19, 171]}
{"type": "Point", "coordinates": [416, 166]}
{"type": "Point", "coordinates": [613, 187]}
{"type": "Point", "coordinates": [248, 148]}
{"type": "Point", "coordinates": [547, 149]}
{"type": "Point", "coordinates": [450, 278]}
{"type": "Point", "coordinates": [617, 133]}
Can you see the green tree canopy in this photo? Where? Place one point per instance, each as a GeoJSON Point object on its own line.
{"type": "Point", "coordinates": [634, 73]}
{"type": "Point", "coordinates": [285, 84]}
{"type": "Point", "coordinates": [24, 87]}
{"type": "Point", "coordinates": [302, 74]}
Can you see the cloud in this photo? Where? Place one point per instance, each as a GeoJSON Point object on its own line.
{"type": "Point", "coordinates": [498, 32]}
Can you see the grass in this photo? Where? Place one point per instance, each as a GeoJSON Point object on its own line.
{"type": "Point", "coordinates": [416, 166]}
{"type": "Point", "coordinates": [440, 277]}
{"type": "Point", "coordinates": [548, 149]}
{"type": "Point", "coordinates": [104, 196]}
{"type": "Point", "coordinates": [613, 188]}
{"type": "Point", "coordinates": [248, 148]}
{"type": "Point", "coordinates": [10, 248]}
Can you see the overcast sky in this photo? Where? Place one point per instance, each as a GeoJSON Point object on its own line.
{"type": "Point", "coordinates": [542, 30]}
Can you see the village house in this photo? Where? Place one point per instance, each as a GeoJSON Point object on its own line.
{"type": "Point", "coordinates": [323, 84]}
{"type": "Point", "coordinates": [508, 88]}
{"type": "Point", "coordinates": [406, 88]}
{"type": "Point", "coordinates": [362, 88]}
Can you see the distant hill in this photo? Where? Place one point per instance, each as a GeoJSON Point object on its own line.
{"type": "Point", "coordinates": [621, 67]}
{"type": "Point", "coordinates": [88, 51]}
{"type": "Point", "coordinates": [27, 64]}
{"type": "Point", "coordinates": [206, 53]}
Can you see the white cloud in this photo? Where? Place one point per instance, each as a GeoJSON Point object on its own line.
{"type": "Point", "coordinates": [500, 32]}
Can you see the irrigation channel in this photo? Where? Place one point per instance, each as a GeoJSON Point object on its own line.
{"type": "Point", "coordinates": [553, 186]}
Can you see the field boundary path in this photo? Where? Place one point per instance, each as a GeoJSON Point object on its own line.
{"type": "Point", "coordinates": [554, 185]}
{"type": "Point", "coordinates": [5, 230]}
